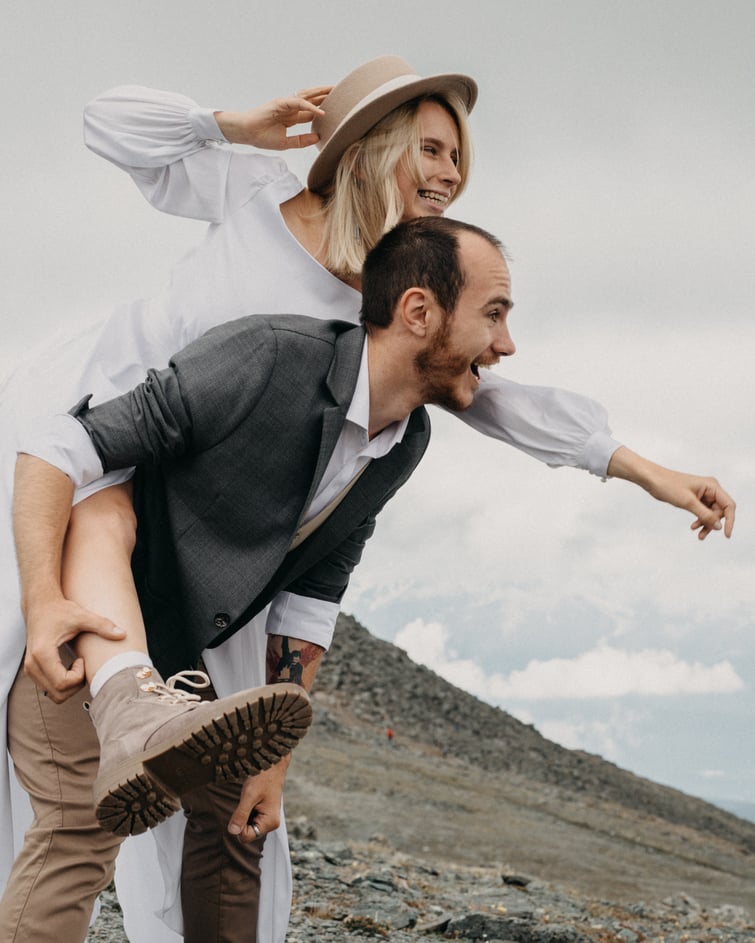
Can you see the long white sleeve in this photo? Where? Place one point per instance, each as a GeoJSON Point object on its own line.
{"type": "Point", "coordinates": [555, 426]}
{"type": "Point", "coordinates": [175, 152]}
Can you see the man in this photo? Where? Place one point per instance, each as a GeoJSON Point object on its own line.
{"type": "Point", "coordinates": [251, 483]}
{"type": "Point", "coordinates": [243, 442]}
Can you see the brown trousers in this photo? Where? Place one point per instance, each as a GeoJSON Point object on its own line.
{"type": "Point", "coordinates": [67, 859]}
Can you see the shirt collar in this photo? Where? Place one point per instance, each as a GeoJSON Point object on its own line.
{"type": "Point", "coordinates": [359, 410]}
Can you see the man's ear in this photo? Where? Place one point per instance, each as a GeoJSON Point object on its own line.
{"type": "Point", "coordinates": [416, 309]}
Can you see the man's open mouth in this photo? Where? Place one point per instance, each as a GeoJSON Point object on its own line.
{"type": "Point", "coordinates": [484, 364]}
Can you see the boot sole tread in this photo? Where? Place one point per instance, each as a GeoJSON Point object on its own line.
{"type": "Point", "coordinates": [239, 742]}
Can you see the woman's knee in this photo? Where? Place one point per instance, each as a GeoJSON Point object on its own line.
{"type": "Point", "coordinates": [105, 517]}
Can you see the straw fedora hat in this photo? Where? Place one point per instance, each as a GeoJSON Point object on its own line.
{"type": "Point", "coordinates": [365, 96]}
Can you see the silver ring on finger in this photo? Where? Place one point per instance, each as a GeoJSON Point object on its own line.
{"type": "Point", "coordinates": [257, 830]}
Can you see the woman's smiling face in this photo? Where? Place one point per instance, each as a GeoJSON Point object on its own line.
{"type": "Point", "coordinates": [439, 151]}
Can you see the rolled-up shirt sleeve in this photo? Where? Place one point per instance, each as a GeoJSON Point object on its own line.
{"type": "Point", "coordinates": [302, 617]}
{"type": "Point", "coordinates": [63, 442]}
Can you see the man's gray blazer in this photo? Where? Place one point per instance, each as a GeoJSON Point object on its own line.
{"type": "Point", "coordinates": [230, 442]}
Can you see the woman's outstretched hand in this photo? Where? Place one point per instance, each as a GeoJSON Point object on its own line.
{"type": "Point", "coordinates": [267, 127]}
{"type": "Point", "coordinates": [701, 495]}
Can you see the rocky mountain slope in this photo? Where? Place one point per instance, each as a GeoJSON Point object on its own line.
{"type": "Point", "coordinates": [463, 781]}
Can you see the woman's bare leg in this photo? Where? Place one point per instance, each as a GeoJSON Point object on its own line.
{"type": "Point", "coordinates": [97, 573]}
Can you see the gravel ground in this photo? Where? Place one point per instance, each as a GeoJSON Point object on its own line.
{"type": "Point", "coordinates": [346, 893]}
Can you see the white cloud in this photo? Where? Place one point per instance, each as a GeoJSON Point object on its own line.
{"type": "Point", "coordinates": [613, 672]}
{"type": "Point", "coordinates": [594, 736]}
{"type": "Point", "coordinates": [602, 672]}
{"type": "Point", "coordinates": [424, 642]}
{"type": "Point", "coordinates": [615, 732]}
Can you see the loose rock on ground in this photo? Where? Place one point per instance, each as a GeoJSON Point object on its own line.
{"type": "Point", "coordinates": [349, 893]}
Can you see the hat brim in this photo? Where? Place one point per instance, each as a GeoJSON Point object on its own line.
{"type": "Point", "coordinates": [355, 126]}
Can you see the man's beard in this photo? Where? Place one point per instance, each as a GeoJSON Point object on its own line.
{"type": "Point", "coordinates": [440, 367]}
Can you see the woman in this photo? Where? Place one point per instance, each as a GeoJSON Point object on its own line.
{"type": "Point", "coordinates": [392, 146]}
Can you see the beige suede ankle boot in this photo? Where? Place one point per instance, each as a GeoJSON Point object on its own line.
{"type": "Point", "coordinates": [158, 743]}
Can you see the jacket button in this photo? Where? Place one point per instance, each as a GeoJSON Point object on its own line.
{"type": "Point", "coordinates": [222, 620]}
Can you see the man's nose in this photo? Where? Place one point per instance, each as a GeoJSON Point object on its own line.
{"type": "Point", "coordinates": [503, 343]}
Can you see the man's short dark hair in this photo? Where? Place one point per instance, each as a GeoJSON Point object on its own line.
{"type": "Point", "coordinates": [421, 253]}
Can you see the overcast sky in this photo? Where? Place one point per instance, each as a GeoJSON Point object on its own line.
{"type": "Point", "coordinates": [614, 156]}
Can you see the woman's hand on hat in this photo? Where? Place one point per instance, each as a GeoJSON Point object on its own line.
{"type": "Point", "coordinates": [267, 126]}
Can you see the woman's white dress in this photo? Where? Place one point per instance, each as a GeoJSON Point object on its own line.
{"type": "Point", "coordinates": [248, 262]}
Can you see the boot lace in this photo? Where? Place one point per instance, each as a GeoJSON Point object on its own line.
{"type": "Point", "coordinates": [168, 692]}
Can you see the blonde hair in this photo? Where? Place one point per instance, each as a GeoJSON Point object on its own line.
{"type": "Point", "coordinates": [364, 201]}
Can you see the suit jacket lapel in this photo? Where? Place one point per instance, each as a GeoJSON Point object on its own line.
{"type": "Point", "coordinates": [341, 380]}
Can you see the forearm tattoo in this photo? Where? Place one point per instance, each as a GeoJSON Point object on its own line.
{"type": "Point", "coordinates": [289, 662]}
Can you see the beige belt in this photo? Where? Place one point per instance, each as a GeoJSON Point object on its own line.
{"type": "Point", "coordinates": [306, 529]}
